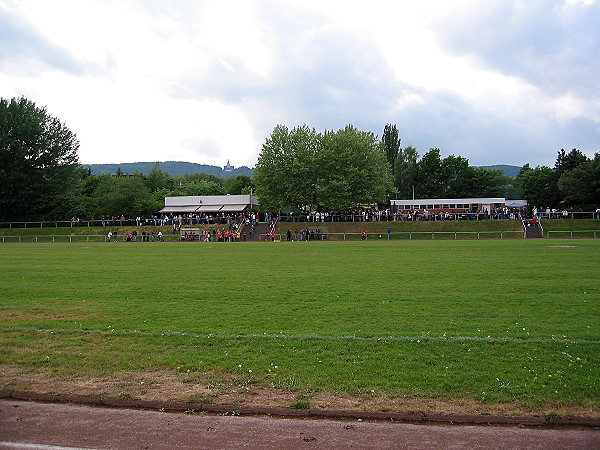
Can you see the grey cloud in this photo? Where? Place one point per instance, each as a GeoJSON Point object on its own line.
{"type": "Point", "coordinates": [328, 80]}
{"type": "Point", "coordinates": [25, 49]}
{"type": "Point", "coordinates": [324, 79]}
{"type": "Point", "coordinates": [203, 147]}
{"type": "Point", "coordinates": [535, 40]}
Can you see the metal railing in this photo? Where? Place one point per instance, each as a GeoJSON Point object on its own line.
{"type": "Point", "coordinates": [84, 238]}
{"type": "Point", "coordinates": [573, 233]}
{"type": "Point", "coordinates": [407, 235]}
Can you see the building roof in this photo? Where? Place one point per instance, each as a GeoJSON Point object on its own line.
{"type": "Point", "coordinates": [421, 201]}
{"type": "Point", "coordinates": [208, 203]}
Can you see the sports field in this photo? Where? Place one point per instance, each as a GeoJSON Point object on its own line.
{"type": "Point", "coordinates": [491, 322]}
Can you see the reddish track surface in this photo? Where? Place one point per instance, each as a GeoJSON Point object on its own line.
{"type": "Point", "coordinates": [31, 425]}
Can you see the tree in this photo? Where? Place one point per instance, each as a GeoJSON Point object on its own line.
{"type": "Point", "coordinates": [564, 162]}
{"type": "Point", "coordinates": [405, 171]}
{"type": "Point", "coordinates": [430, 178]}
{"type": "Point", "coordinates": [536, 185]}
{"type": "Point", "coordinates": [354, 170]}
{"type": "Point", "coordinates": [580, 185]}
{"type": "Point", "coordinates": [116, 196]}
{"type": "Point", "coordinates": [390, 143]}
{"type": "Point", "coordinates": [568, 161]}
{"type": "Point", "coordinates": [455, 174]}
{"type": "Point", "coordinates": [240, 184]}
{"type": "Point", "coordinates": [287, 171]}
{"type": "Point", "coordinates": [203, 187]}
{"type": "Point", "coordinates": [157, 179]}
{"type": "Point", "coordinates": [482, 182]}
{"type": "Point", "coordinates": [334, 170]}
{"type": "Point", "coordinates": [39, 161]}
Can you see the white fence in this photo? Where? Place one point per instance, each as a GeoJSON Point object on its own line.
{"type": "Point", "coordinates": [406, 235]}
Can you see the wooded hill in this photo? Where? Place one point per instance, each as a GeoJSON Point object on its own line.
{"type": "Point", "coordinates": [175, 169]}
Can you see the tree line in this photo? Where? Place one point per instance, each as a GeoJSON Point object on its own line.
{"type": "Point", "coordinates": [41, 178]}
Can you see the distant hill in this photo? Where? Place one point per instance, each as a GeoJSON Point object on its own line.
{"type": "Point", "coordinates": [175, 169]}
{"type": "Point", "coordinates": [509, 171]}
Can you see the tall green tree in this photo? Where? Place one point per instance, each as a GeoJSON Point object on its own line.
{"type": "Point", "coordinates": [482, 182]}
{"type": "Point", "coordinates": [454, 174]}
{"type": "Point", "coordinates": [580, 185]}
{"type": "Point", "coordinates": [240, 184]}
{"type": "Point", "coordinates": [130, 197]}
{"type": "Point", "coordinates": [430, 176]}
{"type": "Point", "coordinates": [39, 165]}
{"type": "Point", "coordinates": [354, 170]}
{"type": "Point", "coordinates": [157, 179]}
{"type": "Point", "coordinates": [390, 143]}
{"type": "Point", "coordinates": [536, 185]}
{"type": "Point", "coordinates": [287, 172]}
{"type": "Point", "coordinates": [405, 171]}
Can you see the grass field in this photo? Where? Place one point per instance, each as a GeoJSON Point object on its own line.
{"type": "Point", "coordinates": [484, 321]}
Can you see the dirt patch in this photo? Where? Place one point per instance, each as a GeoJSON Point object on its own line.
{"type": "Point", "coordinates": [209, 388]}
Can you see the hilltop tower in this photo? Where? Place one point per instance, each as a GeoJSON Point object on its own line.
{"type": "Point", "coordinates": [228, 167]}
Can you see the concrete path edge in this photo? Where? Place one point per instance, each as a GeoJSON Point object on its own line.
{"type": "Point", "coordinates": [221, 409]}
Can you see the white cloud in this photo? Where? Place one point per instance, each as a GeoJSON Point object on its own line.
{"type": "Point", "coordinates": [207, 81]}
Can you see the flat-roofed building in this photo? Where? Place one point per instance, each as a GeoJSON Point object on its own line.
{"type": "Point", "coordinates": [210, 204]}
{"type": "Point", "coordinates": [455, 205]}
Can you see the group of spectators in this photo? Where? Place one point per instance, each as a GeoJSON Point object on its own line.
{"type": "Point", "coordinates": [305, 234]}
{"type": "Point", "coordinates": [366, 215]}
{"type": "Point", "coordinates": [147, 236]}
{"type": "Point", "coordinates": [216, 236]}
{"type": "Point", "coordinates": [418, 215]}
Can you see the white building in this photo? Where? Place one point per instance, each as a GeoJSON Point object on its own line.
{"type": "Point", "coordinates": [199, 204]}
{"type": "Point", "coordinates": [455, 205]}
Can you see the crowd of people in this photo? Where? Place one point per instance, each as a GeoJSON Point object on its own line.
{"type": "Point", "coordinates": [147, 236]}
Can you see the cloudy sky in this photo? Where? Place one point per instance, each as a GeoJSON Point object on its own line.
{"type": "Point", "coordinates": [495, 81]}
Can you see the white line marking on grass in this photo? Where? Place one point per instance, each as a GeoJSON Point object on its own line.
{"type": "Point", "coordinates": [305, 336]}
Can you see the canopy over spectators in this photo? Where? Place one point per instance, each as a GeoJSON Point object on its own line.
{"type": "Point", "coordinates": [209, 203]}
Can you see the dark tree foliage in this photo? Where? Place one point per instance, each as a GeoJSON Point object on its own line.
{"type": "Point", "coordinates": [405, 171]}
{"type": "Point", "coordinates": [39, 167]}
{"type": "Point", "coordinates": [240, 184]}
{"type": "Point", "coordinates": [572, 183]}
{"type": "Point", "coordinates": [390, 143]}
{"type": "Point", "coordinates": [580, 185]}
{"type": "Point", "coordinates": [430, 177]}
{"type": "Point", "coordinates": [334, 170]}
{"type": "Point", "coordinates": [536, 185]}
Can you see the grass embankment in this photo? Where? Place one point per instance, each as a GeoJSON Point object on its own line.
{"type": "Point", "coordinates": [89, 234]}
{"type": "Point", "coordinates": [562, 228]}
{"type": "Point", "coordinates": [466, 229]}
{"type": "Point", "coordinates": [487, 322]}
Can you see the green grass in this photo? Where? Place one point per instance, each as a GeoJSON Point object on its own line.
{"type": "Point", "coordinates": [493, 321]}
{"type": "Point", "coordinates": [581, 228]}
